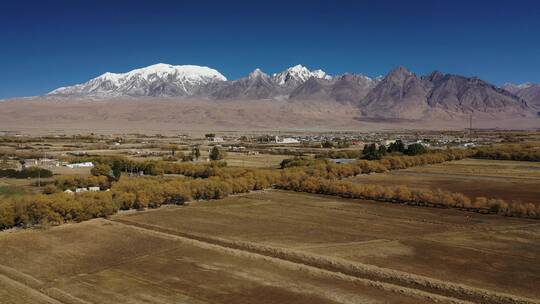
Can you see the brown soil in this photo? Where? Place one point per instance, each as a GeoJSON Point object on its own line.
{"type": "Point", "coordinates": [483, 251]}
{"type": "Point", "coordinates": [151, 116]}
{"type": "Point", "coordinates": [277, 247]}
{"type": "Point", "coordinates": [104, 262]}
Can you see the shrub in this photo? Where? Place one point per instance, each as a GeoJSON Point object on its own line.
{"type": "Point", "coordinates": [217, 154]}
{"type": "Point", "coordinates": [415, 149]}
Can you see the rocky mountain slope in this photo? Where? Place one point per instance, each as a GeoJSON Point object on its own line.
{"type": "Point", "coordinates": [400, 94]}
{"type": "Point", "coordinates": [467, 94]}
{"type": "Point", "coordinates": [257, 85]}
{"type": "Point", "coordinates": [528, 91]}
{"type": "Point", "coordinates": [348, 88]}
{"type": "Point", "coordinates": [403, 94]}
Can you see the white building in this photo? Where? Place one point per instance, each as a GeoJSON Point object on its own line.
{"type": "Point", "coordinates": [287, 140]}
{"type": "Point", "coordinates": [216, 139]}
{"type": "Point", "coordinates": [81, 165]}
{"type": "Point", "coordinates": [94, 189]}
{"type": "Point", "coordinates": [387, 142]}
{"type": "Point", "coordinates": [80, 190]}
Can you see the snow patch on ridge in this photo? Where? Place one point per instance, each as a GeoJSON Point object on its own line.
{"type": "Point", "coordinates": [155, 80]}
{"type": "Point", "coordinates": [298, 74]}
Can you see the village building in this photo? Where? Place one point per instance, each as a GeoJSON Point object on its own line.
{"type": "Point", "coordinates": [286, 140]}
{"type": "Point", "coordinates": [216, 139]}
{"type": "Point", "coordinates": [81, 165]}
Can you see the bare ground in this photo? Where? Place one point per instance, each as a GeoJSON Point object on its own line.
{"type": "Point", "coordinates": [278, 247]}
{"type": "Point", "coordinates": [106, 262]}
{"type": "Point", "coordinates": [151, 116]}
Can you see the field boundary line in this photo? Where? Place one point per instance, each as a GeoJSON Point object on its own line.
{"type": "Point", "coordinates": [388, 287]}
{"type": "Point", "coordinates": [332, 245]}
{"type": "Point", "coordinates": [34, 292]}
{"type": "Point", "coordinates": [23, 279]}
{"type": "Point", "coordinates": [20, 277]}
{"type": "Point", "coordinates": [358, 270]}
{"type": "Point", "coordinates": [65, 297]}
{"type": "Point", "coordinates": [480, 250]}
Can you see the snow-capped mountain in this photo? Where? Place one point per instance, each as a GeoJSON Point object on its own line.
{"type": "Point", "coordinates": [400, 94]}
{"type": "Point", "coordinates": [159, 80]}
{"type": "Point", "coordinates": [259, 85]}
{"type": "Point", "coordinates": [296, 75]}
{"type": "Point", "coordinates": [165, 80]}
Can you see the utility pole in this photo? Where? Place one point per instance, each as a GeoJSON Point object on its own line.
{"type": "Point", "coordinates": [470, 126]}
{"type": "Point", "coordinates": [39, 171]}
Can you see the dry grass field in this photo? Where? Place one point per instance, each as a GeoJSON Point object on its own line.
{"type": "Point", "coordinates": [254, 161]}
{"type": "Point", "coordinates": [108, 262]}
{"type": "Point", "coordinates": [482, 251]}
{"type": "Point", "coordinates": [277, 247]}
{"type": "Point", "coordinates": [509, 180]}
{"type": "Point", "coordinates": [70, 171]}
{"type": "Point", "coordinates": [14, 186]}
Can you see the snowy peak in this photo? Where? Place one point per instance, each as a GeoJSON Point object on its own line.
{"type": "Point", "coordinates": [183, 71]}
{"type": "Point", "coordinates": [524, 85]}
{"type": "Point", "coordinates": [514, 88]}
{"type": "Point", "coordinates": [258, 73]}
{"type": "Point", "coordinates": [155, 80]}
{"type": "Point", "coordinates": [296, 75]}
{"type": "Point", "coordinates": [320, 74]}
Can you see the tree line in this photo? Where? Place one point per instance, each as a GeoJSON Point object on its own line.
{"type": "Point", "coordinates": [64, 182]}
{"type": "Point", "coordinates": [302, 182]}
{"type": "Point", "coordinates": [328, 169]}
{"type": "Point", "coordinates": [521, 152]}
{"type": "Point", "coordinates": [128, 193]}
{"type": "Point", "coordinates": [30, 172]}
{"type": "Point", "coordinates": [215, 181]}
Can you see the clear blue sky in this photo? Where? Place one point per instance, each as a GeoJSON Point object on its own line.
{"type": "Point", "coordinates": [47, 44]}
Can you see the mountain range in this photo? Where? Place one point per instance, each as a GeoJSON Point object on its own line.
{"type": "Point", "coordinates": [401, 94]}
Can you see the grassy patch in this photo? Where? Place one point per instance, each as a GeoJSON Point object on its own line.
{"type": "Point", "coordinates": [6, 191]}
